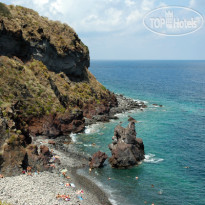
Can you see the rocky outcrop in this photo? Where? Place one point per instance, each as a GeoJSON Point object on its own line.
{"type": "Point", "coordinates": [125, 104]}
{"type": "Point", "coordinates": [127, 150]}
{"type": "Point", "coordinates": [54, 125]}
{"type": "Point", "coordinates": [98, 160]}
{"type": "Point", "coordinates": [27, 35]}
{"type": "Point", "coordinates": [16, 150]}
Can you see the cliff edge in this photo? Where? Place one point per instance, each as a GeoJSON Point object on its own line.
{"type": "Point", "coordinates": [45, 86]}
{"type": "Point", "coordinates": [27, 35]}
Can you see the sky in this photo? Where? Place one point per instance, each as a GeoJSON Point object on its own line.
{"type": "Point", "coordinates": [114, 29]}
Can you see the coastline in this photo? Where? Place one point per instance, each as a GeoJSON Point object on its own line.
{"type": "Point", "coordinates": [25, 189]}
{"type": "Point", "coordinates": [71, 160]}
{"type": "Point", "coordinates": [124, 104]}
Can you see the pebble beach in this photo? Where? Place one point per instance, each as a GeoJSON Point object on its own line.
{"type": "Point", "coordinates": [60, 186]}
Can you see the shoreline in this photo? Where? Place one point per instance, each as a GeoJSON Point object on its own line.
{"type": "Point", "coordinates": [68, 152]}
{"type": "Point", "coordinates": [72, 160]}
{"type": "Point", "coordinates": [92, 187]}
{"type": "Point", "coordinates": [25, 189]}
{"type": "Point", "coordinates": [124, 104]}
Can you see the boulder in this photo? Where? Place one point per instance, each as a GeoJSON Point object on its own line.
{"type": "Point", "coordinates": [98, 160]}
{"type": "Point", "coordinates": [52, 142]}
{"type": "Point", "coordinates": [127, 150]}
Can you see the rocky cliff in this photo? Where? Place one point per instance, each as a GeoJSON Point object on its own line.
{"type": "Point", "coordinates": [45, 85]}
{"type": "Point", "coordinates": [127, 150]}
{"type": "Point", "coordinates": [28, 36]}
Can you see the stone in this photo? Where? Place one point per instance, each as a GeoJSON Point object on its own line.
{"type": "Point", "coordinates": [52, 142]}
{"type": "Point", "coordinates": [98, 160]}
{"type": "Point", "coordinates": [126, 149]}
{"type": "Point", "coordinates": [44, 150]}
{"type": "Point", "coordinates": [131, 119]}
{"type": "Point", "coordinates": [54, 125]}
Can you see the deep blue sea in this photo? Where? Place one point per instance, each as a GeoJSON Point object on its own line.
{"type": "Point", "coordinates": [174, 135]}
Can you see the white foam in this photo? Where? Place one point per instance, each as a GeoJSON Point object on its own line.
{"type": "Point", "coordinates": [87, 145]}
{"type": "Point", "coordinates": [105, 188]}
{"type": "Point", "coordinates": [95, 128]}
{"type": "Point", "coordinates": [73, 137]}
{"type": "Point", "coordinates": [113, 202]}
{"type": "Point", "coordinates": [150, 158]}
{"type": "Point", "coordinates": [121, 115]}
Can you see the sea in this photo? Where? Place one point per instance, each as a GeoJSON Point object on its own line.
{"type": "Point", "coordinates": [173, 172]}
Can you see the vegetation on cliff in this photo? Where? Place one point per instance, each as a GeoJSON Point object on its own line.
{"type": "Point", "coordinates": [39, 91]}
{"type": "Point", "coordinates": [35, 27]}
{"type": "Point", "coordinates": [45, 85]}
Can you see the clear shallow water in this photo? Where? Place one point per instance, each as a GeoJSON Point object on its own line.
{"type": "Point", "coordinates": [174, 135]}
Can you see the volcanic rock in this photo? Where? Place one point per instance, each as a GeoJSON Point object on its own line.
{"type": "Point", "coordinates": [98, 160]}
{"type": "Point", "coordinates": [127, 150]}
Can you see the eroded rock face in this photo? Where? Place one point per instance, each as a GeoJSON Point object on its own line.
{"type": "Point", "coordinates": [25, 34]}
{"type": "Point", "coordinates": [98, 160]}
{"type": "Point", "coordinates": [127, 150]}
{"type": "Point", "coordinates": [71, 63]}
{"type": "Point", "coordinates": [57, 124]}
{"type": "Point", "coordinates": [16, 149]}
{"type": "Point", "coordinates": [3, 128]}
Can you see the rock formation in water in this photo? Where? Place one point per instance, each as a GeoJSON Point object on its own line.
{"type": "Point", "coordinates": [127, 150]}
{"type": "Point", "coordinates": [98, 160]}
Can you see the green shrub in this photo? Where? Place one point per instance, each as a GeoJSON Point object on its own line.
{"type": "Point", "coordinates": [104, 88]}
{"type": "Point", "coordinates": [4, 11]}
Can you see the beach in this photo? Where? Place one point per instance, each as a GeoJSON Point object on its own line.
{"type": "Point", "coordinates": [52, 187]}
{"type": "Point", "coordinates": [43, 188]}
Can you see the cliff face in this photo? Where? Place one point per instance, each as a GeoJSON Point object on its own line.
{"type": "Point", "coordinates": [27, 35]}
{"type": "Point", "coordinates": [45, 85]}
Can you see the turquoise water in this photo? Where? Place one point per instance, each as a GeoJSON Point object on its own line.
{"type": "Point", "coordinates": [174, 135]}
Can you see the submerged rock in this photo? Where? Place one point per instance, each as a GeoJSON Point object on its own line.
{"type": "Point", "coordinates": [98, 160]}
{"type": "Point", "coordinates": [127, 150]}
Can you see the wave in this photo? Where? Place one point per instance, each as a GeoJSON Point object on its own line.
{"type": "Point", "coordinates": [95, 128]}
{"type": "Point", "coordinates": [106, 188]}
{"type": "Point", "coordinates": [88, 145]}
{"type": "Point", "coordinates": [73, 137]}
{"type": "Point", "coordinates": [122, 115]}
{"type": "Point", "coordinates": [150, 158]}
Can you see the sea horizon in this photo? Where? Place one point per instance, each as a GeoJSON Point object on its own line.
{"type": "Point", "coordinates": [147, 60]}
{"type": "Point", "coordinates": [168, 174]}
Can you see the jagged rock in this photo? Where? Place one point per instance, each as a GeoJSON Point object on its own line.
{"type": "Point", "coordinates": [124, 104]}
{"type": "Point", "coordinates": [52, 142]}
{"type": "Point", "coordinates": [16, 150]}
{"type": "Point", "coordinates": [127, 150]}
{"type": "Point", "coordinates": [44, 150]}
{"type": "Point", "coordinates": [38, 161]}
{"type": "Point", "coordinates": [131, 119]}
{"type": "Point", "coordinates": [57, 124]}
{"type": "Point", "coordinates": [98, 160]}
